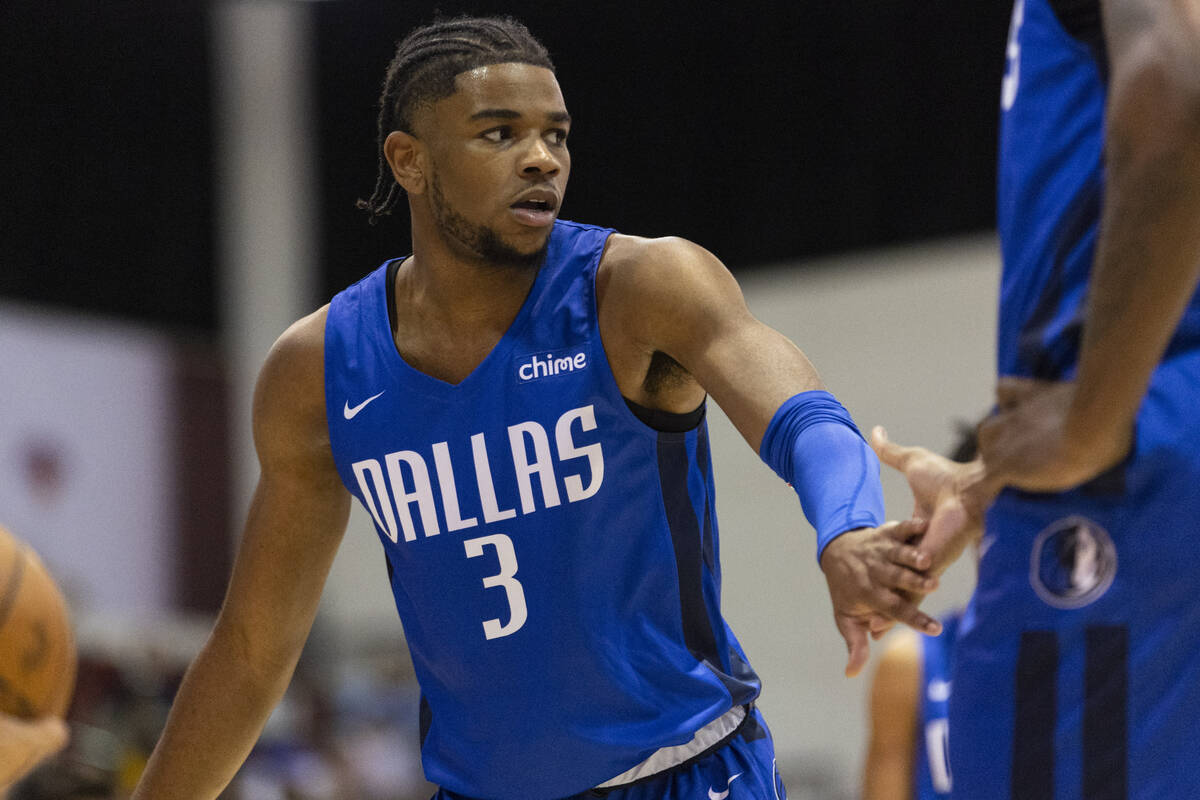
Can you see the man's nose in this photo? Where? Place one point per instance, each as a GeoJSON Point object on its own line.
{"type": "Point", "coordinates": [539, 159]}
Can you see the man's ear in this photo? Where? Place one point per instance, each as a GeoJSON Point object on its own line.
{"type": "Point", "coordinates": [404, 154]}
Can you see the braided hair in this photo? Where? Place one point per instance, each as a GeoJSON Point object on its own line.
{"type": "Point", "coordinates": [423, 71]}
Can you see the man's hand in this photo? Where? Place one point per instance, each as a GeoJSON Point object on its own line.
{"type": "Point", "coordinates": [951, 495]}
{"type": "Point", "coordinates": [1032, 442]}
{"type": "Point", "coordinates": [26, 743]}
{"type": "Point", "coordinates": [874, 573]}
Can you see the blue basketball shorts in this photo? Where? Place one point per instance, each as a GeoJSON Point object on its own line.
{"type": "Point", "coordinates": [740, 768]}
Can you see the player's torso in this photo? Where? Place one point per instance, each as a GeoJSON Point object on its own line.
{"type": "Point", "coordinates": [1051, 184]}
{"type": "Point", "coordinates": [1077, 661]}
{"type": "Point", "coordinates": [552, 558]}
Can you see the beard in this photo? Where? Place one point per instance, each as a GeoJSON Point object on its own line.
{"type": "Point", "coordinates": [480, 240]}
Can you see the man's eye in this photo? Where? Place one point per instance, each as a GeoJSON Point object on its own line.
{"type": "Point", "coordinates": [557, 136]}
{"type": "Point", "coordinates": [497, 135]}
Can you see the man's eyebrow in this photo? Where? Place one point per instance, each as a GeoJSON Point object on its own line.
{"type": "Point", "coordinates": [508, 113]}
{"type": "Point", "coordinates": [496, 113]}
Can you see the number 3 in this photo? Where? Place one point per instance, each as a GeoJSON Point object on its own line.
{"type": "Point", "coordinates": [507, 557]}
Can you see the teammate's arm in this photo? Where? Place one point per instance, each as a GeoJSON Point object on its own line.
{"type": "Point", "coordinates": [674, 297]}
{"type": "Point", "coordinates": [1147, 259]}
{"type": "Point", "coordinates": [895, 701]}
{"type": "Point", "coordinates": [296, 521]}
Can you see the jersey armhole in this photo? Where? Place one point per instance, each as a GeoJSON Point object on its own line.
{"type": "Point", "coordinates": [1082, 21]}
{"type": "Point", "coordinates": [667, 421]}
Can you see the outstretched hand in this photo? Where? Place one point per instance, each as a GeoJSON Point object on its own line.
{"type": "Point", "coordinates": [874, 573]}
{"type": "Point", "coordinates": [26, 743]}
{"type": "Point", "coordinates": [951, 495]}
{"type": "Point", "coordinates": [1028, 442]}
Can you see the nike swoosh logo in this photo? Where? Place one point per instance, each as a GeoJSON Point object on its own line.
{"type": "Point", "coordinates": [351, 413]}
{"type": "Point", "coordinates": [722, 795]}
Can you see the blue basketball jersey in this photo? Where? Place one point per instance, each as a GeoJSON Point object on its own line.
{"type": "Point", "coordinates": [1077, 666]}
{"type": "Point", "coordinates": [932, 776]}
{"type": "Point", "coordinates": [1051, 186]}
{"type": "Point", "coordinates": [554, 560]}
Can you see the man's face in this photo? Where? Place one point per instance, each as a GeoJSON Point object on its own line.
{"type": "Point", "coordinates": [499, 160]}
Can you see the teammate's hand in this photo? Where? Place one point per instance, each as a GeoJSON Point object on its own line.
{"type": "Point", "coordinates": [26, 743]}
{"type": "Point", "coordinates": [1028, 443]}
{"type": "Point", "coordinates": [951, 495]}
{"type": "Point", "coordinates": [874, 573]}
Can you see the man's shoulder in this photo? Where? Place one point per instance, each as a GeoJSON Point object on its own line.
{"type": "Point", "coordinates": [667, 259]}
{"type": "Point", "coordinates": [303, 341]}
{"type": "Point", "coordinates": [295, 367]}
{"type": "Point", "coordinates": [290, 431]}
{"type": "Point", "coordinates": [627, 248]}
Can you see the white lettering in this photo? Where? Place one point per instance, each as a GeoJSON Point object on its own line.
{"type": "Point", "coordinates": [445, 474]}
{"type": "Point", "coordinates": [487, 490]}
{"type": "Point", "coordinates": [392, 485]}
{"type": "Point", "coordinates": [541, 465]}
{"type": "Point", "coordinates": [387, 524]}
{"type": "Point", "coordinates": [421, 493]}
{"type": "Point", "coordinates": [937, 745]}
{"type": "Point", "coordinates": [539, 367]}
{"type": "Point", "coordinates": [567, 450]}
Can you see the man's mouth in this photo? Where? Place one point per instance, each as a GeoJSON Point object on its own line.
{"type": "Point", "coordinates": [534, 205]}
{"type": "Point", "coordinates": [537, 210]}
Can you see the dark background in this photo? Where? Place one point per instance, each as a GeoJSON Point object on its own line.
{"type": "Point", "coordinates": [764, 133]}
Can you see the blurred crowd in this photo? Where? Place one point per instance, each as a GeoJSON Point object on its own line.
{"type": "Point", "coordinates": [347, 728]}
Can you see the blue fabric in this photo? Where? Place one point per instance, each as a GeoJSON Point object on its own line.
{"type": "Point", "coordinates": [1050, 184]}
{"type": "Point", "coordinates": [813, 444]}
{"type": "Point", "coordinates": [932, 776]}
{"type": "Point", "coordinates": [744, 767]}
{"type": "Point", "coordinates": [534, 530]}
{"type": "Point", "coordinates": [1077, 665]}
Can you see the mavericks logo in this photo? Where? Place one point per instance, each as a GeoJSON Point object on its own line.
{"type": "Point", "coordinates": [1073, 563]}
{"type": "Point", "coordinates": [544, 365]}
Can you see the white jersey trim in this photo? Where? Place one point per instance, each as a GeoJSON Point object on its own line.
{"type": "Point", "coordinates": [665, 758]}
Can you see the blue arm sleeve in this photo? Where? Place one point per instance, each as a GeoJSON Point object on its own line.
{"type": "Point", "coordinates": [813, 444]}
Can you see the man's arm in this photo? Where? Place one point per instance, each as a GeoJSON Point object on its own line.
{"type": "Point", "coordinates": [1147, 259]}
{"type": "Point", "coordinates": [674, 297]}
{"type": "Point", "coordinates": [296, 521]}
{"type": "Point", "coordinates": [895, 701]}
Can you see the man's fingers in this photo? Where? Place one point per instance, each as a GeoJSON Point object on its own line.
{"type": "Point", "coordinates": [1011, 390]}
{"type": "Point", "coordinates": [901, 610]}
{"type": "Point", "coordinates": [894, 576]}
{"type": "Point", "coordinates": [855, 633]}
{"type": "Point", "coordinates": [54, 734]}
{"type": "Point", "coordinates": [912, 556]}
{"type": "Point", "coordinates": [27, 743]}
{"type": "Point", "coordinates": [879, 626]}
{"type": "Point", "coordinates": [950, 522]}
{"type": "Point", "coordinates": [905, 530]}
{"type": "Point", "coordinates": [890, 453]}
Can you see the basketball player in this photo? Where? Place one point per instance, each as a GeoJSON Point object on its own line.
{"type": "Point", "coordinates": [520, 405]}
{"type": "Point", "coordinates": [907, 755]}
{"type": "Point", "coordinates": [1078, 675]}
{"type": "Point", "coordinates": [26, 743]}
